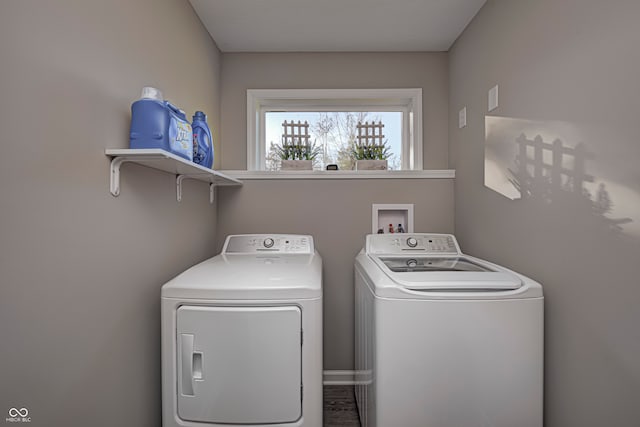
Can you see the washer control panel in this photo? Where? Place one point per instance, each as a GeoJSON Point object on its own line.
{"type": "Point", "coordinates": [260, 243]}
{"type": "Point", "coordinates": [444, 244]}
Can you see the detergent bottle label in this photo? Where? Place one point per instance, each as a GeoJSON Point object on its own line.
{"type": "Point", "coordinates": [201, 146]}
{"type": "Point", "coordinates": [181, 138]}
{"type": "Point", "coordinates": [202, 140]}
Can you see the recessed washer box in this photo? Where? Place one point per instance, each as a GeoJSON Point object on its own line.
{"type": "Point", "coordinates": [384, 214]}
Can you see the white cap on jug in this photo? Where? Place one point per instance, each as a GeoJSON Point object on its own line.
{"type": "Point", "coordinates": [149, 92]}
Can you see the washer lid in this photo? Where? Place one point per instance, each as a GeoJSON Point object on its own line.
{"type": "Point", "coordinates": [250, 276]}
{"type": "Point", "coordinates": [420, 264]}
{"type": "Point", "coordinates": [459, 273]}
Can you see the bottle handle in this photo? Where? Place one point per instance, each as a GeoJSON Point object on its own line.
{"type": "Point", "coordinates": [174, 108]}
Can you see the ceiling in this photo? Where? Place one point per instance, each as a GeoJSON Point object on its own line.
{"type": "Point", "coordinates": [335, 25]}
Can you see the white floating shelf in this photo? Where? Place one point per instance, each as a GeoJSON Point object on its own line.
{"type": "Point", "coordinates": [344, 174]}
{"type": "Point", "coordinates": [167, 162]}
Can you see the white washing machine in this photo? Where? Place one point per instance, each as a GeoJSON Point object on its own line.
{"type": "Point", "coordinates": [242, 336]}
{"type": "Point", "coordinates": [445, 339]}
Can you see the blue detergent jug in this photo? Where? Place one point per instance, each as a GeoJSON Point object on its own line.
{"type": "Point", "coordinates": [156, 123]}
{"type": "Point", "coordinates": [202, 140]}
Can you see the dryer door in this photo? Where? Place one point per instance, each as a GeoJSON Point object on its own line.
{"type": "Point", "coordinates": [239, 365]}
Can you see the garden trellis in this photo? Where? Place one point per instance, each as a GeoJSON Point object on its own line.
{"type": "Point", "coordinates": [370, 134]}
{"type": "Point", "coordinates": [295, 133]}
{"type": "Point", "coordinates": [370, 144]}
{"type": "Point", "coordinates": [295, 142]}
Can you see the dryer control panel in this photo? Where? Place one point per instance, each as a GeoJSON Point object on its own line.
{"type": "Point", "coordinates": [260, 243]}
{"type": "Point", "coordinates": [436, 244]}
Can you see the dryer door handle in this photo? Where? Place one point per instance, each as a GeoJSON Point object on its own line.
{"type": "Point", "coordinates": [186, 365]}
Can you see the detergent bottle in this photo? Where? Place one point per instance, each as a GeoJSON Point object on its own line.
{"type": "Point", "coordinates": [156, 123]}
{"type": "Point", "coordinates": [202, 140]}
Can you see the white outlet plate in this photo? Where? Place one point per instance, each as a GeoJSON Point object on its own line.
{"type": "Point", "coordinates": [493, 98]}
{"type": "Point", "coordinates": [462, 118]}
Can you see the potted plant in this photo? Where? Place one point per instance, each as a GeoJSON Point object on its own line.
{"type": "Point", "coordinates": [371, 156]}
{"type": "Point", "coordinates": [297, 155]}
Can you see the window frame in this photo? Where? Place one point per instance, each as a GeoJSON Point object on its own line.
{"type": "Point", "coordinates": [406, 100]}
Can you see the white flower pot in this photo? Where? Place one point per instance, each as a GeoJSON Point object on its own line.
{"type": "Point", "coordinates": [296, 165]}
{"type": "Point", "coordinates": [371, 165]}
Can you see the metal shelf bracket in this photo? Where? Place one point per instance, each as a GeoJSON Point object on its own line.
{"type": "Point", "coordinates": [180, 178]}
{"type": "Point", "coordinates": [212, 192]}
{"type": "Point", "coordinates": [116, 162]}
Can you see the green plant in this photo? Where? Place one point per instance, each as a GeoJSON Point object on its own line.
{"type": "Point", "coordinates": [371, 151]}
{"type": "Point", "coordinates": [298, 150]}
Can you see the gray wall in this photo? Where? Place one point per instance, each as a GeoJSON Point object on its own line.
{"type": "Point", "coordinates": [242, 71]}
{"type": "Point", "coordinates": [337, 213]}
{"type": "Point", "coordinates": [81, 270]}
{"type": "Point", "coordinates": [566, 70]}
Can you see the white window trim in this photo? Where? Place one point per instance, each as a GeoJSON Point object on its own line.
{"type": "Point", "coordinates": [407, 100]}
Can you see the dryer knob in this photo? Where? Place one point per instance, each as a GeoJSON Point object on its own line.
{"type": "Point", "coordinates": [268, 242]}
{"type": "Point", "coordinates": [412, 242]}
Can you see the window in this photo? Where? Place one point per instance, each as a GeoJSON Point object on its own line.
{"type": "Point", "coordinates": [331, 119]}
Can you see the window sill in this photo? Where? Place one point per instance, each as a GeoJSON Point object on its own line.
{"type": "Point", "coordinates": [319, 174]}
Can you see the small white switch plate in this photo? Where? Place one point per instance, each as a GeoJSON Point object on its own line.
{"type": "Point", "coordinates": [493, 98]}
{"type": "Point", "coordinates": [462, 118]}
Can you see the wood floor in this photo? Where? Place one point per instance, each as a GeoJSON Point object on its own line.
{"type": "Point", "coordinates": [340, 406]}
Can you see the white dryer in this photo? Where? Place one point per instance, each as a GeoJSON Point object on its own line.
{"type": "Point", "coordinates": [242, 336]}
{"type": "Point", "coordinates": [445, 339]}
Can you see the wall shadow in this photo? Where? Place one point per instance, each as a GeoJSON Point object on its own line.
{"type": "Point", "coordinates": [568, 223]}
{"type": "Point", "coordinates": [552, 172]}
